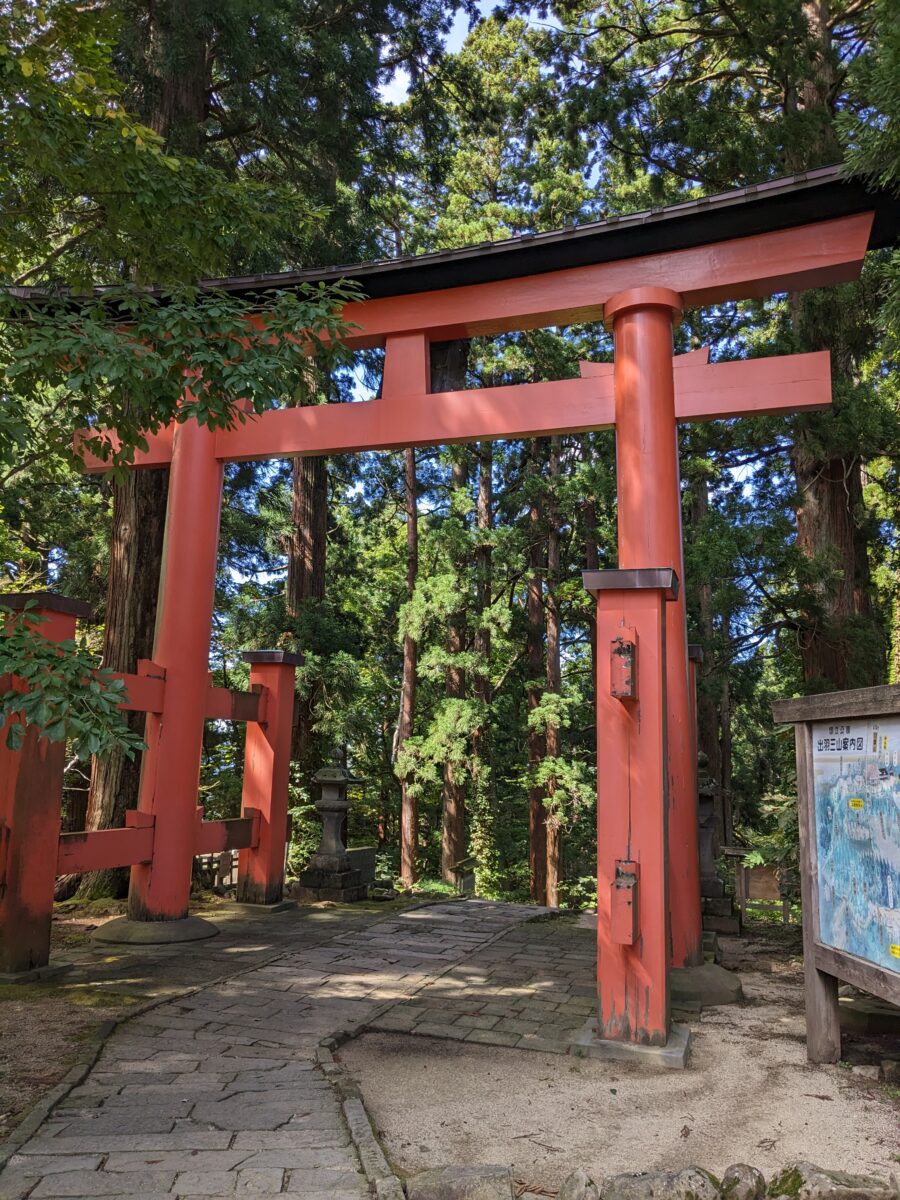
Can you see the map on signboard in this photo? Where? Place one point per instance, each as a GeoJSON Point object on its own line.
{"type": "Point", "coordinates": [856, 766]}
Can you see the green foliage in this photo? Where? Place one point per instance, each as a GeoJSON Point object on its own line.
{"type": "Point", "coordinates": [120, 361]}
{"type": "Point", "coordinates": [59, 691]}
{"type": "Point", "coordinates": [295, 159]}
{"type": "Point", "coordinates": [85, 184]}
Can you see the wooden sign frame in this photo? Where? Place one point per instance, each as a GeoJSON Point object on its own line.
{"type": "Point", "coordinates": [825, 966]}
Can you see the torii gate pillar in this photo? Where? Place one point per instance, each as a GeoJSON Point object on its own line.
{"type": "Point", "coordinates": [649, 516]}
{"type": "Point", "coordinates": [160, 890]}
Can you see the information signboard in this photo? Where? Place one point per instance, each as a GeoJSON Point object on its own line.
{"type": "Point", "coordinates": [848, 795]}
{"type": "Point", "coordinates": [856, 776]}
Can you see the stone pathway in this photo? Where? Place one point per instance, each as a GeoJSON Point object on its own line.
{"type": "Point", "coordinates": [218, 1093]}
{"type": "Point", "coordinates": [534, 990]}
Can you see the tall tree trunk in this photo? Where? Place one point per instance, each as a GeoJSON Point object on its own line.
{"type": "Point", "coordinates": [453, 831]}
{"type": "Point", "coordinates": [178, 62]}
{"type": "Point", "coordinates": [591, 563]}
{"type": "Point", "coordinates": [554, 671]}
{"type": "Point", "coordinates": [178, 65]}
{"type": "Point", "coordinates": [725, 747]}
{"type": "Point", "coordinates": [449, 363]}
{"type": "Point", "coordinates": [537, 746]}
{"type": "Point", "coordinates": [483, 831]}
{"type": "Point", "coordinates": [306, 581]}
{"type": "Point", "coordinates": [139, 518]}
{"type": "Point", "coordinates": [409, 803]}
{"type": "Point", "coordinates": [710, 717]}
{"type": "Point", "coordinates": [842, 643]}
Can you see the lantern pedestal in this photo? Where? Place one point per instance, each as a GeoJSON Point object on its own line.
{"type": "Point", "coordinates": [343, 887]}
{"type": "Point", "coordinates": [330, 874]}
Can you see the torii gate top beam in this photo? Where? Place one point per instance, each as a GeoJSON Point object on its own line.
{"type": "Point", "coordinates": [805, 231]}
{"type": "Point", "coordinates": [818, 195]}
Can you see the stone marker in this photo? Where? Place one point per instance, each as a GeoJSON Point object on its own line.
{"type": "Point", "coordinates": [330, 875]}
{"type": "Point", "coordinates": [709, 984]}
{"type": "Point", "coordinates": [741, 1182]}
{"type": "Point", "coordinates": [691, 1184]}
{"type": "Point", "coordinates": [805, 1181]}
{"type": "Point", "coordinates": [579, 1186]}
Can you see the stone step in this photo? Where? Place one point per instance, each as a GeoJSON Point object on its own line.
{"type": "Point", "coordinates": [713, 924]}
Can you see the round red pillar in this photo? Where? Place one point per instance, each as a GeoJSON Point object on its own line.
{"type": "Point", "coordinates": [649, 518]}
{"type": "Point", "coordinates": [160, 890]}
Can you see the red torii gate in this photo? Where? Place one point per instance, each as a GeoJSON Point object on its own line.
{"type": "Point", "coordinates": [648, 876]}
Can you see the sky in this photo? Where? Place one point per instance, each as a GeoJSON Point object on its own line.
{"type": "Point", "coordinates": [395, 91]}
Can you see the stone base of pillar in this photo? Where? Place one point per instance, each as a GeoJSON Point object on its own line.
{"type": "Point", "coordinates": [674, 1055]}
{"type": "Point", "coordinates": [124, 931]}
{"type": "Point", "coordinates": [342, 887]}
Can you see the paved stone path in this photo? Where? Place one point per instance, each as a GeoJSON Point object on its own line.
{"type": "Point", "coordinates": [535, 990]}
{"type": "Point", "coordinates": [218, 1093]}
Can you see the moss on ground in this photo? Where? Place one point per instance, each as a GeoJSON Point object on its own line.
{"type": "Point", "coordinates": [83, 995]}
{"type": "Point", "coordinates": [788, 1183]}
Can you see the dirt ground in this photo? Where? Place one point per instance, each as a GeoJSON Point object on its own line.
{"type": "Point", "coordinates": [44, 1028]}
{"type": "Point", "coordinates": [749, 1094]}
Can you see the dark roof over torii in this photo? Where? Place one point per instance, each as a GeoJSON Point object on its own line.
{"type": "Point", "coordinates": [779, 204]}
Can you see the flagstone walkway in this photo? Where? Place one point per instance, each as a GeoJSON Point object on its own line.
{"type": "Point", "coordinates": [219, 1093]}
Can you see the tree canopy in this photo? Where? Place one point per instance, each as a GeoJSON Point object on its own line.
{"type": "Point", "coordinates": [449, 647]}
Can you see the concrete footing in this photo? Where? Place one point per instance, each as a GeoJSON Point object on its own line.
{"type": "Point", "coordinates": [123, 931]}
{"type": "Point", "coordinates": [673, 1055]}
{"type": "Point", "coordinates": [706, 985]}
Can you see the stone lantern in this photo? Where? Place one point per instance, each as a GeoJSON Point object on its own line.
{"type": "Point", "coordinates": [330, 875]}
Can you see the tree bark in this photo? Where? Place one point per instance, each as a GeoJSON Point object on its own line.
{"type": "Point", "coordinates": [484, 519]}
{"type": "Point", "coordinates": [453, 831]}
{"type": "Point", "coordinates": [708, 714]}
{"type": "Point", "coordinates": [554, 673]}
{"type": "Point", "coordinates": [409, 803]}
{"type": "Point", "coordinates": [307, 546]}
{"type": "Point", "coordinates": [842, 643]}
{"type": "Point", "coordinates": [591, 563]}
{"type": "Point", "coordinates": [139, 518]}
{"type": "Point", "coordinates": [483, 820]}
{"type": "Point", "coordinates": [537, 746]}
{"type": "Point", "coordinates": [179, 73]}
{"type": "Point", "coordinates": [449, 363]}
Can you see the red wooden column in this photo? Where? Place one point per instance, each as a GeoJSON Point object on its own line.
{"type": "Point", "coordinates": [649, 514]}
{"type": "Point", "coordinates": [31, 784]}
{"type": "Point", "coordinates": [267, 760]}
{"type": "Point", "coordinates": [632, 803]}
{"type": "Point", "coordinates": [160, 890]}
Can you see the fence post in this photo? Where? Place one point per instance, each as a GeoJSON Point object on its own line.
{"type": "Point", "coordinates": [31, 785]}
{"type": "Point", "coordinates": [267, 760]}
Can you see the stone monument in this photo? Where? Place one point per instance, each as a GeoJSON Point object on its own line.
{"type": "Point", "coordinates": [718, 906]}
{"type": "Point", "coordinates": [330, 874]}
